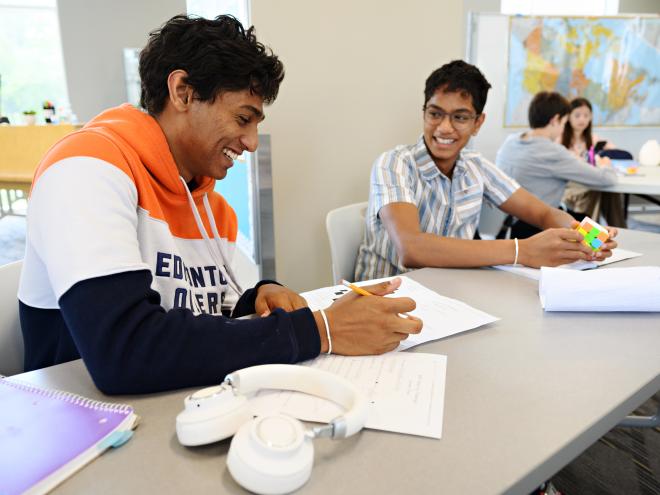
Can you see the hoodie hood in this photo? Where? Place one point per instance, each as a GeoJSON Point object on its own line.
{"type": "Point", "coordinates": [141, 134]}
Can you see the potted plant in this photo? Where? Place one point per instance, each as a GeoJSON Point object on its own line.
{"type": "Point", "coordinates": [30, 117]}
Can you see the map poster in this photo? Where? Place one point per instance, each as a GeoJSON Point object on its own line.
{"type": "Point", "coordinates": [613, 62]}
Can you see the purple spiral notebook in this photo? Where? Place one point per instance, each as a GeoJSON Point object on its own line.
{"type": "Point", "coordinates": [47, 435]}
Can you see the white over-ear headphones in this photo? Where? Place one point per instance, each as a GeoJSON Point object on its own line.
{"type": "Point", "coordinates": [270, 454]}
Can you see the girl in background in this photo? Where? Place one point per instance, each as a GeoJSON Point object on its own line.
{"type": "Point", "coordinates": [581, 141]}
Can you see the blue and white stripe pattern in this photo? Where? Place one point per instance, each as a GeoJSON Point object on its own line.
{"type": "Point", "coordinates": [447, 207]}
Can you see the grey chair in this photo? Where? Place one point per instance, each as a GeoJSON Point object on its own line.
{"type": "Point", "coordinates": [11, 338]}
{"type": "Point", "coordinates": [345, 228]}
{"type": "Point", "coordinates": [490, 221]}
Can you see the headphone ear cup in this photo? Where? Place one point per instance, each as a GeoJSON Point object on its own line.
{"type": "Point", "coordinates": [271, 455]}
{"type": "Point", "coordinates": [211, 415]}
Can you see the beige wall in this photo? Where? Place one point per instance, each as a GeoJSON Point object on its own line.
{"type": "Point", "coordinates": [639, 6]}
{"type": "Point", "coordinates": [354, 84]}
{"type": "Point", "coordinates": [94, 34]}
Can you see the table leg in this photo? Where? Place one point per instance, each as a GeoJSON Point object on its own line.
{"type": "Point", "coordinates": [641, 421]}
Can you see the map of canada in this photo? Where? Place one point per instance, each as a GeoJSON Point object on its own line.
{"type": "Point", "coordinates": [613, 62]}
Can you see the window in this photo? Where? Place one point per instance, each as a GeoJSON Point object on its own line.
{"type": "Point", "coordinates": [213, 8]}
{"type": "Point", "coordinates": [239, 187]}
{"type": "Point", "coordinates": [31, 63]}
{"type": "Point", "coordinates": [560, 7]}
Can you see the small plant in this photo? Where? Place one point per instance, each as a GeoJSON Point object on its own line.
{"type": "Point", "coordinates": [29, 112]}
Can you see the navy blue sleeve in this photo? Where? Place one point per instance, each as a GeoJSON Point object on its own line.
{"type": "Point", "coordinates": [245, 304]}
{"type": "Point", "coordinates": [131, 345]}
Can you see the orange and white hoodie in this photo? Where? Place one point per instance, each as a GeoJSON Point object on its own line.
{"type": "Point", "coordinates": [128, 268]}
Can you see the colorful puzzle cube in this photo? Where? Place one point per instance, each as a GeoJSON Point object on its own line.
{"type": "Point", "coordinates": [595, 235]}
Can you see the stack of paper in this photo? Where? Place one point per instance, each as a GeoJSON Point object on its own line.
{"type": "Point", "coordinates": [618, 254]}
{"type": "Point", "coordinates": [406, 392]}
{"type": "Point", "coordinates": [442, 316]}
{"type": "Point", "coordinates": [614, 289]}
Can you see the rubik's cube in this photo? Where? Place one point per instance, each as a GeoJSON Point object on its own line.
{"type": "Point", "coordinates": [595, 235]}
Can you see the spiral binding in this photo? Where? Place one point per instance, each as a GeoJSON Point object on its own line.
{"type": "Point", "coordinates": [69, 397]}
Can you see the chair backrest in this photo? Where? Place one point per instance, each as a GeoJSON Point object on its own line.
{"type": "Point", "coordinates": [11, 338]}
{"type": "Point", "coordinates": [491, 222]}
{"type": "Point", "coordinates": [345, 227]}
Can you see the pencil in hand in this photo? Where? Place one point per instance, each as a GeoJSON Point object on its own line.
{"type": "Point", "coordinates": [355, 288]}
{"type": "Point", "coordinates": [364, 292]}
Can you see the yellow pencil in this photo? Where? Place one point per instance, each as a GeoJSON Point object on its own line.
{"type": "Point", "coordinates": [355, 288]}
{"type": "Point", "coordinates": [364, 292]}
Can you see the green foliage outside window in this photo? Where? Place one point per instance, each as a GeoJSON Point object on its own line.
{"type": "Point", "coordinates": [31, 65]}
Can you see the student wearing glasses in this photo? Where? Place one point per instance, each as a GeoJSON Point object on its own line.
{"type": "Point", "coordinates": [425, 199]}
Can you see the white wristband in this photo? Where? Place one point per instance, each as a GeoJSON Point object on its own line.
{"type": "Point", "coordinates": [327, 331]}
{"type": "Point", "coordinates": [515, 260]}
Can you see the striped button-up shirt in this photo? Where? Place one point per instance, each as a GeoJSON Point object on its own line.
{"type": "Point", "coordinates": [447, 207]}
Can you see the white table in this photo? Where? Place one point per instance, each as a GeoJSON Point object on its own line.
{"type": "Point", "coordinates": [646, 181]}
{"type": "Point", "coordinates": [524, 396]}
{"type": "Point", "coordinates": [646, 184]}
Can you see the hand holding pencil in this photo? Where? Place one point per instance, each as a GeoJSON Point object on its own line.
{"type": "Point", "coordinates": [359, 290]}
{"type": "Point", "coordinates": [362, 325]}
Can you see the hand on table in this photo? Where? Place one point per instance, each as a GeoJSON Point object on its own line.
{"type": "Point", "coordinates": [603, 161]}
{"type": "Point", "coordinates": [271, 296]}
{"type": "Point", "coordinates": [553, 247]}
{"type": "Point", "coordinates": [610, 244]}
{"type": "Point", "coordinates": [361, 325]}
{"type": "Point", "coordinates": [606, 249]}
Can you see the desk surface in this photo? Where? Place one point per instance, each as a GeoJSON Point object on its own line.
{"type": "Point", "coordinates": [23, 147]}
{"type": "Point", "coordinates": [524, 396]}
{"type": "Point", "coordinates": [646, 181]}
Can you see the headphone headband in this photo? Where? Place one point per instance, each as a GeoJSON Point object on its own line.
{"type": "Point", "coordinates": [310, 381]}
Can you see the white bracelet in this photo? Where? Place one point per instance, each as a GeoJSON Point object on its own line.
{"type": "Point", "coordinates": [327, 331]}
{"type": "Point", "coordinates": [515, 260]}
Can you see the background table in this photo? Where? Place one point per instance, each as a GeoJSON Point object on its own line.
{"type": "Point", "coordinates": [646, 181]}
{"type": "Point", "coordinates": [645, 184]}
{"type": "Point", "coordinates": [21, 149]}
{"type": "Point", "coordinates": [524, 396]}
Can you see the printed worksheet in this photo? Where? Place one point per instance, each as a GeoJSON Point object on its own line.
{"type": "Point", "coordinates": [442, 316]}
{"type": "Point", "coordinates": [406, 392]}
{"type": "Point", "coordinates": [618, 254]}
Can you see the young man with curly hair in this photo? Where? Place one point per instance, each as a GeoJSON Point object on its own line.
{"type": "Point", "coordinates": [129, 248]}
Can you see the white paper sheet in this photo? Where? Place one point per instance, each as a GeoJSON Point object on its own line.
{"type": "Point", "coordinates": [618, 254]}
{"type": "Point", "coordinates": [406, 392]}
{"type": "Point", "coordinates": [442, 316]}
{"type": "Point", "coordinates": [615, 289]}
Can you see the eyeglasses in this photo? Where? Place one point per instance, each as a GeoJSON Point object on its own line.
{"type": "Point", "coordinates": [459, 120]}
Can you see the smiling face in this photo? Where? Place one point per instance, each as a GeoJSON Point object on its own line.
{"type": "Point", "coordinates": [212, 134]}
{"type": "Point", "coordinates": [580, 118]}
{"type": "Point", "coordinates": [444, 135]}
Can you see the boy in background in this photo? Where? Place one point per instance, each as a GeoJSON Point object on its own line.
{"type": "Point", "coordinates": [425, 199]}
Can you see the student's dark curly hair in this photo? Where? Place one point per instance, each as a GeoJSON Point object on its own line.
{"type": "Point", "coordinates": [459, 76]}
{"type": "Point", "coordinates": [218, 55]}
{"type": "Point", "coordinates": [567, 135]}
{"type": "Point", "coordinates": [544, 106]}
